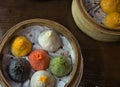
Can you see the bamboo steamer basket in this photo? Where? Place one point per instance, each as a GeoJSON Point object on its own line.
{"type": "Point", "coordinates": [88, 16]}
{"type": "Point", "coordinates": [78, 66]}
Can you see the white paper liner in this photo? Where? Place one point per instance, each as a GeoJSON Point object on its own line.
{"type": "Point", "coordinates": [94, 10]}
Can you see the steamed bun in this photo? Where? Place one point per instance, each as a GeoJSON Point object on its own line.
{"type": "Point", "coordinates": [39, 59]}
{"type": "Point", "coordinates": [60, 66]}
{"type": "Point", "coordinates": [49, 40]}
{"type": "Point", "coordinates": [19, 69]}
{"type": "Point", "coordinates": [21, 46]}
{"type": "Point", "coordinates": [42, 79]}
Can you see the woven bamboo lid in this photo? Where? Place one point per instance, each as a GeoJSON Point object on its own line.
{"type": "Point", "coordinates": [89, 16]}
{"type": "Point", "coordinates": [77, 70]}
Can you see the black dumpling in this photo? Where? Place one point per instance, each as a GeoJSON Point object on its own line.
{"type": "Point", "coordinates": [19, 69]}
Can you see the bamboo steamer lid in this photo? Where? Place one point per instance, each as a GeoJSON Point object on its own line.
{"type": "Point", "coordinates": [78, 66]}
{"type": "Point", "coordinates": [89, 17]}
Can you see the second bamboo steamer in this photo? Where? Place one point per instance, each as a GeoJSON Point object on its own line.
{"type": "Point", "coordinates": [88, 16]}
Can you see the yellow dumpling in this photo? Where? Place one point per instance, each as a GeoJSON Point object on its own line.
{"type": "Point", "coordinates": [109, 6]}
{"type": "Point", "coordinates": [21, 46]}
{"type": "Point", "coordinates": [112, 20]}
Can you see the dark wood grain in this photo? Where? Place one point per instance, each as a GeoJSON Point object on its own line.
{"type": "Point", "coordinates": [101, 60]}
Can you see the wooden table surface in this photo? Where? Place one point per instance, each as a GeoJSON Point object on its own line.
{"type": "Point", "coordinates": [101, 60]}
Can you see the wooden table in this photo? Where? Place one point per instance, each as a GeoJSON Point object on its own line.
{"type": "Point", "coordinates": [101, 60]}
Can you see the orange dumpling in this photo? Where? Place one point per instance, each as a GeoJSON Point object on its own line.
{"type": "Point", "coordinates": [39, 59]}
{"type": "Point", "coordinates": [109, 6]}
{"type": "Point", "coordinates": [112, 20]}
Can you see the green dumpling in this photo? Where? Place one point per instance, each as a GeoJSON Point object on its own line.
{"type": "Point", "coordinates": [60, 66]}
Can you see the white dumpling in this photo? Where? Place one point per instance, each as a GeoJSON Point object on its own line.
{"type": "Point", "coordinates": [42, 79]}
{"type": "Point", "coordinates": [49, 40]}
